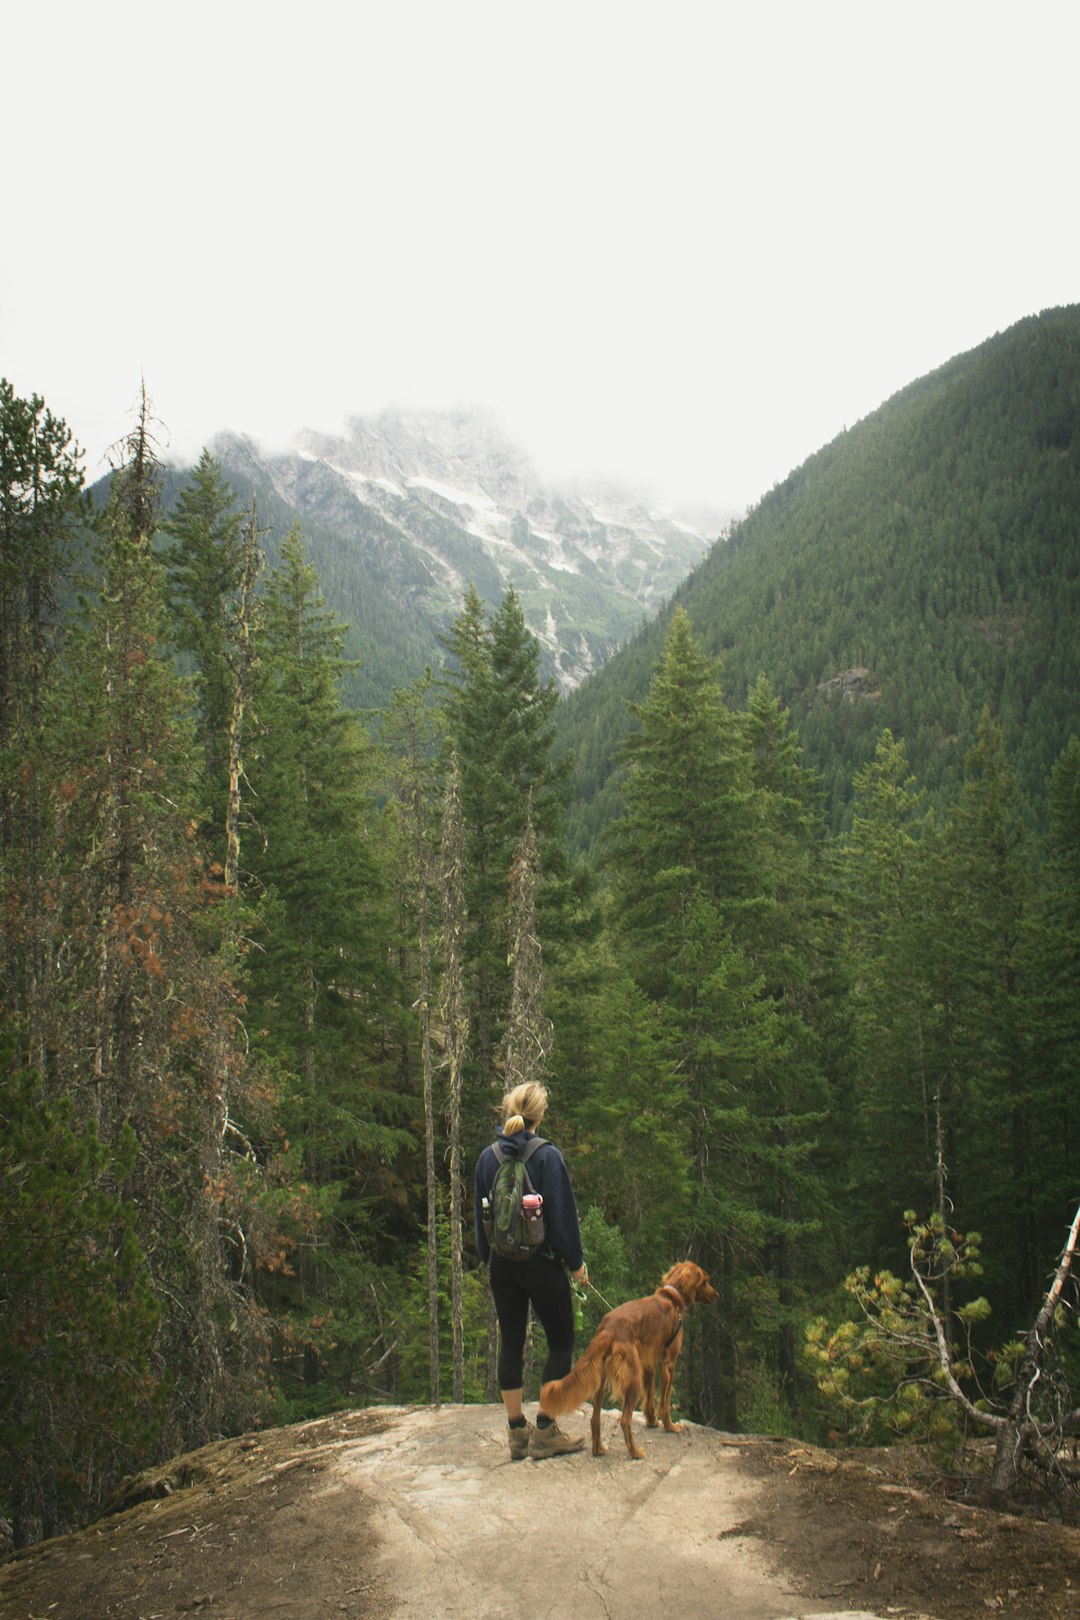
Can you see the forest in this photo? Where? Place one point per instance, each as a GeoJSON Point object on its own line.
{"type": "Point", "coordinates": [269, 966]}
{"type": "Point", "coordinates": [920, 567]}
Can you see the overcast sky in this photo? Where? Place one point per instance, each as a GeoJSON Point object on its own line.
{"type": "Point", "coordinates": [684, 244]}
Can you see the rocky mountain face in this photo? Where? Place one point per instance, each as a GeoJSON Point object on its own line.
{"type": "Point", "coordinates": [417, 506]}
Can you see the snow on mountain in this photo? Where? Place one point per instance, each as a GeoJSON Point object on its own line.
{"type": "Point", "coordinates": [435, 501]}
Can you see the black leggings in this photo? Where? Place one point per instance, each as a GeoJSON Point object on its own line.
{"type": "Point", "coordinates": [542, 1283]}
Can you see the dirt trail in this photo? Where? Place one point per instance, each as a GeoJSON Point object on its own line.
{"type": "Point", "coordinates": [472, 1533]}
{"type": "Point", "coordinates": [396, 1513]}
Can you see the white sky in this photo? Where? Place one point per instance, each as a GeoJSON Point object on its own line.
{"type": "Point", "coordinates": [681, 243]}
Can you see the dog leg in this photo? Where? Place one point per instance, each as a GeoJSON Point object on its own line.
{"type": "Point", "coordinates": [630, 1400]}
{"type": "Point", "coordinates": [667, 1379]}
{"type": "Point", "coordinates": [650, 1398]}
{"type": "Point", "coordinates": [598, 1447]}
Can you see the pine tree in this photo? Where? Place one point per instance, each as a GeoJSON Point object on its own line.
{"type": "Point", "coordinates": [1051, 1011]}
{"type": "Point", "coordinates": [44, 518]}
{"type": "Point", "coordinates": [145, 1033]}
{"type": "Point", "coordinates": [78, 1402]}
{"type": "Point", "coordinates": [321, 980]}
{"type": "Point", "coordinates": [499, 720]}
{"type": "Point", "coordinates": [687, 793]}
{"type": "Point", "coordinates": [902, 1098]}
{"type": "Point", "coordinates": [311, 765]}
{"type": "Point", "coordinates": [631, 1119]}
{"type": "Point", "coordinates": [689, 886]}
{"type": "Point", "coordinates": [985, 881]}
{"type": "Point", "coordinates": [787, 935]}
{"type": "Point", "coordinates": [206, 563]}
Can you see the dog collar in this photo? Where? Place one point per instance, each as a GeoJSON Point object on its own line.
{"type": "Point", "coordinates": [668, 1288]}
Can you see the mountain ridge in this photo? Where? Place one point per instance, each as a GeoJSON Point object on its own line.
{"type": "Point", "coordinates": [934, 547]}
{"type": "Point", "coordinates": [419, 505]}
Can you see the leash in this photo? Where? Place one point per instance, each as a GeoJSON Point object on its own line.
{"type": "Point", "coordinates": [590, 1284]}
{"type": "Point", "coordinates": [599, 1295]}
{"type": "Point", "coordinates": [579, 1289]}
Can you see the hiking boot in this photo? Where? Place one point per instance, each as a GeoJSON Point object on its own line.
{"type": "Point", "coordinates": [551, 1442]}
{"type": "Point", "coordinates": [519, 1441]}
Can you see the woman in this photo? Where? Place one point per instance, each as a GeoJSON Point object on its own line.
{"type": "Point", "coordinates": [541, 1280]}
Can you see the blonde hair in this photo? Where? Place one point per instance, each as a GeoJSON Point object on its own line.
{"type": "Point", "coordinates": [524, 1107]}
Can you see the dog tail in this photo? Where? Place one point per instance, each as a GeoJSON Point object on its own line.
{"type": "Point", "coordinates": [582, 1381]}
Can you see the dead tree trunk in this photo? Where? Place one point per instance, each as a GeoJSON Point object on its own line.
{"type": "Point", "coordinates": [1031, 1429]}
{"type": "Point", "coordinates": [455, 1024]}
{"type": "Point", "coordinates": [1021, 1432]}
{"type": "Point", "coordinates": [240, 661]}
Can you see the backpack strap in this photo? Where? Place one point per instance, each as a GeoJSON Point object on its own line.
{"type": "Point", "coordinates": [502, 1155]}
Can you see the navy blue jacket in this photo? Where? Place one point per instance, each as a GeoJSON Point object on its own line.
{"type": "Point", "coordinates": [550, 1177]}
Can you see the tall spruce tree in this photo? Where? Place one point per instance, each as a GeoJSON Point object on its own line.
{"type": "Point", "coordinates": [788, 936]}
{"type": "Point", "coordinates": [691, 888]}
{"type": "Point", "coordinates": [321, 980]}
{"type": "Point", "coordinates": [499, 721]}
{"type": "Point", "coordinates": [985, 882]}
{"type": "Point", "coordinates": [687, 823]}
{"type": "Point", "coordinates": [205, 560]}
{"type": "Point", "coordinates": [901, 1097]}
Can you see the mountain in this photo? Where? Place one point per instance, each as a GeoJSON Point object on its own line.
{"type": "Point", "coordinates": [924, 564]}
{"type": "Point", "coordinates": [408, 508]}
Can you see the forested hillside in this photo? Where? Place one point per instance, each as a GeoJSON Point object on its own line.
{"type": "Point", "coordinates": [268, 967]}
{"type": "Point", "coordinates": [921, 567]}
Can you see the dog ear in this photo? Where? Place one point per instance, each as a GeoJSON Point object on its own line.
{"type": "Point", "coordinates": [683, 1276]}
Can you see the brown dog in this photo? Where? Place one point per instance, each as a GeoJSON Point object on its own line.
{"type": "Point", "coordinates": [627, 1347]}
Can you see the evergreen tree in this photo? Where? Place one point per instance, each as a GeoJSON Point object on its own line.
{"type": "Point", "coordinates": [499, 721]}
{"type": "Point", "coordinates": [205, 560]}
{"type": "Point", "coordinates": [1053, 1025]}
{"type": "Point", "coordinates": [899, 1116]}
{"type": "Point", "coordinates": [145, 1031]}
{"type": "Point", "coordinates": [789, 938]}
{"type": "Point", "coordinates": [321, 986]}
{"type": "Point", "coordinates": [44, 517]}
{"type": "Point", "coordinates": [688, 823]}
{"type": "Point", "coordinates": [313, 806]}
{"type": "Point", "coordinates": [78, 1403]}
{"type": "Point", "coordinates": [691, 886]}
{"type": "Point", "coordinates": [631, 1119]}
{"type": "Point", "coordinates": [984, 881]}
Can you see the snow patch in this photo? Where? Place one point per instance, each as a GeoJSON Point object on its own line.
{"type": "Point", "coordinates": [476, 499]}
{"type": "Point", "coordinates": [363, 478]}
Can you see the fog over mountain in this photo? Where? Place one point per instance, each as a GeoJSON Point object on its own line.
{"type": "Point", "coordinates": [408, 508]}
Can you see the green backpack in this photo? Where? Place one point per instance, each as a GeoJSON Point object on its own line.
{"type": "Point", "coordinates": [511, 1231]}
